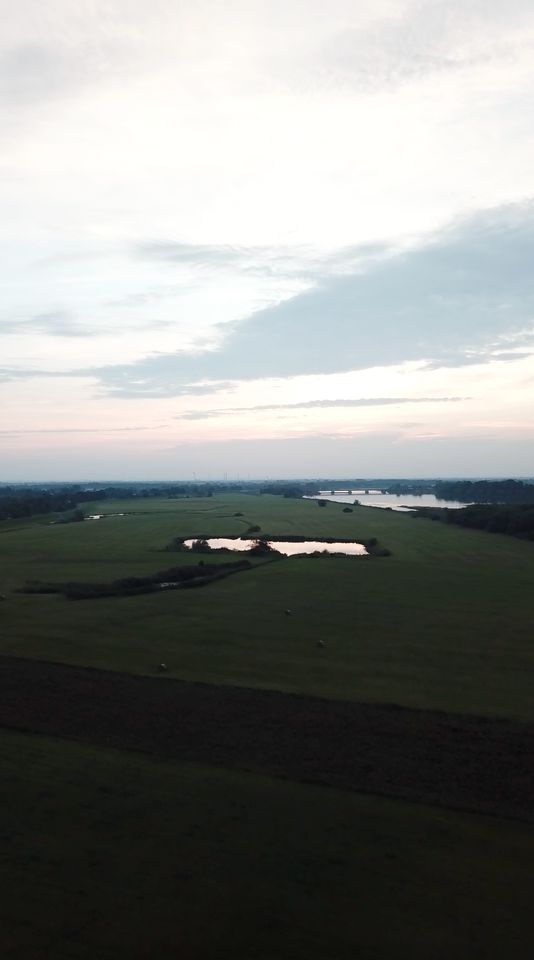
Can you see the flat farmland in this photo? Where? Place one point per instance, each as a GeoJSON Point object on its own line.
{"type": "Point", "coordinates": [442, 623]}
{"type": "Point", "coordinates": [335, 763]}
{"type": "Point", "coordinates": [117, 854]}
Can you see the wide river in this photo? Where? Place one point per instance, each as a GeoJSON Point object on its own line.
{"type": "Point", "coordinates": [401, 501]}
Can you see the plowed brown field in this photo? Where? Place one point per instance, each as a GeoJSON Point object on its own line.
{"type": "Point", "coordinates": [468, 763]}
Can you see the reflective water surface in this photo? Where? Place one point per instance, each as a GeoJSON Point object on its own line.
{"type": "Point", "coordinates": [101, 516]}
{"type": "Point", "coordinates": [401, 502]}
{"type": "Point", "coordinates": [287, 548]}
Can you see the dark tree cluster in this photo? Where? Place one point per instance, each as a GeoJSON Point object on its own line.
{"type": "Point", "coordinates": [289, 490]}
{"type": "Point", "coordinates": [16, 503]}
{"type": "Point", "coordinates": [27, 500]}
{"type": "Point", "coordinates": [516, 521]}
{"type": "Point", "coordinates": [485, 491]}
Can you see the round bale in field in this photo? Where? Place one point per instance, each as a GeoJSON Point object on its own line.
{"type": "Point", "coordinates": [162, 667]}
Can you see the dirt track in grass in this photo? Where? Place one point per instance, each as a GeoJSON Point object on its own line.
{"type": "Point", "coordinates": [469, 763]}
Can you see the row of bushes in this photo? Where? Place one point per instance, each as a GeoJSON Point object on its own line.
{"type": "Point", "coordinates": [174, 578]}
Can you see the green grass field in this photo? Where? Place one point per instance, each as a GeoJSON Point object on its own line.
{"type": "Point", "coordinates": [445, 622]}
{"type": "Point", "coordinates": [116, 854]}
{"type": "Point", "coordinates": [112, 854]}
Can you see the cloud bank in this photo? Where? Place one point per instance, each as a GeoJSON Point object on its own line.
{"type": "Point", "coordinates": [451, 302]}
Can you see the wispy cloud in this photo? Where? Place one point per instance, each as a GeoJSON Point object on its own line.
{"type": "Point", "coordinates": [315, 405]}
{"type": "Point", "coordinates": [197, 254]}
{"type": "Point", "coordinates": [61, 323]}
{"type": "Point", "coordinates": [13, 374]}
{"type": "Point", "coordinates": [419, 40]}
{"type": "Point", "coordinates": [68, 430]}
{"type": "Point", "coordinates": [296, 261]}
{"type": "Point", "coordinates": [53, 323]}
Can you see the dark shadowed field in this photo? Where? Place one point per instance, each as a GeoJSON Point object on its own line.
{"type": "Point", "coordinates": [468, 763]}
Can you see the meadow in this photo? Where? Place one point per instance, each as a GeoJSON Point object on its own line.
{"type": "Point", "coordinates": [111, 851]}
{"type": "Point", "coordinates": [114, 854]}
{"type": "Point", "coordinates": [443, 623]}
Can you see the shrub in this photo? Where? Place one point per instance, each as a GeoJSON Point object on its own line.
{"type": "Point", "coordinates": [177, 577]}
{"type": "Point", "coordinates": [201, 545]}
{"type": "Point", "coordinates": [177, 543]}
{"type": "Point", "coordinates": [260, 548]}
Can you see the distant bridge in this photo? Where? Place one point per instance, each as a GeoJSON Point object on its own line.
{"type": "Point", "coordinates": [346, 493]}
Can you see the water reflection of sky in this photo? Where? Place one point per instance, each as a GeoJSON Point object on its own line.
{"type": "Point", "coordinates": [289, 549]}
{"type": "Point", "coordinates": [401, 502]}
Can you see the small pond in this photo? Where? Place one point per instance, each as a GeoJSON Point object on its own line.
{"type": "Point", "coordinates": [102, 516]}
{"type": "Point", "coordinates": [288, 548]}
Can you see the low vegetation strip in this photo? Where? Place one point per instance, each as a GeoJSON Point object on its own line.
{"type": "Point", "coordinates": [175, 578]}
{"type": "Point", "coordinates": [468, 763]}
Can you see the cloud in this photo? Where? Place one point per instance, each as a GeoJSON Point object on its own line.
{"type": "Point", "coordinates": [58, 53]}
{"type": "Point", "coordinates": [265, 261]}
{"type": "Point", "coordinates": [316, 404]}
{"type": "Point", "coordinates": [30, 72]}
{"type": "Point", "coordinates": [510, 355]}
{"type": "Point", "coordinates": [11, 374]}
{"type": "Point", "coordinates": [36, 71]}
{"type": "Point", "coordinates": [60, 430]}
{"type": "Point", "coordinates": [197, 254]}
{"type": "Point", "coordinates": [451, 302]}
{"type": "Point", "coordinates": [61, 323]}
{"type": "Point", "coordinates": [421, 40]}
{"type": "Point", "coordinates": [208, 389]}
{"type": "Point", "coordinates": [53, 323]}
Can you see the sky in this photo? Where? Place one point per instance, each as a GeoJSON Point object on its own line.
{"type": "Point", "coordinates": [253, 238]}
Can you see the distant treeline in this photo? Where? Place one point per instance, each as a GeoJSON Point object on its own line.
{"type": "Point", "coordinates": [516, 521]}
{"type": "Point", "coordinates": [485, 491]}
{"type": "Point", "coordinates": [175, 578]}
{"type": "Point", "coordinates": [288, 489]}
{"type": "Point", "coordinates": [27, 502]}
{"type": "Point", "coordinates": [303, 488]}
{"type": "Point", "coordinates": [17, 501]}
